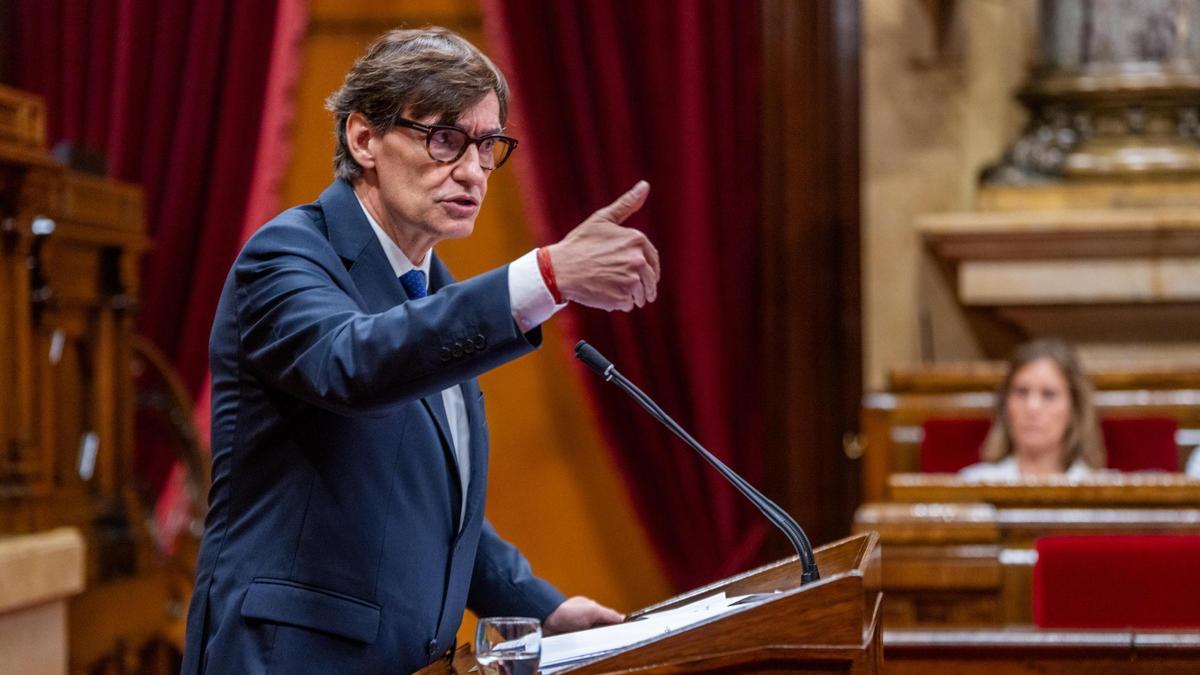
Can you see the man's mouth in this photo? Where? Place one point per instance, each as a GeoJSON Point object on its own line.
{"type": "Point", "coordinates": [461, 206]}
{"type": "Point", "coordinates": [463, 200]}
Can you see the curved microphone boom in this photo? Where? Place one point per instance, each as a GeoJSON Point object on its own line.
{"type": "Point", "coordinates": [778, 517]}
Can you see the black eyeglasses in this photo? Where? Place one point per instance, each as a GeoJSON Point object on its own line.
{"type": "Point", "coordinates": [446, 144]}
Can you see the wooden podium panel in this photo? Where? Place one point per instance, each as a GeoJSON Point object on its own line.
{"type": "Point", "coordinates": [962, 554]}
{"type": "Point", "coordinates": [828, 626]}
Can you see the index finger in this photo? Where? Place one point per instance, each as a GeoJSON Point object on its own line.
{"type": "Point", "coordinates": [652, 257]}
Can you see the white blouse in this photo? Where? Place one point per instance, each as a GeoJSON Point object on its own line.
{"type": "Point", "coordinates": [1007, 470]}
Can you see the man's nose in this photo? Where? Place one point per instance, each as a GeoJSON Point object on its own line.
{"type": "Point", "coordinates": [469, 166]}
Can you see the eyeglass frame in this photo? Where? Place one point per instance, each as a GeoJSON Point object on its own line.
{"type": "Point", "coordinates": [429, 129]}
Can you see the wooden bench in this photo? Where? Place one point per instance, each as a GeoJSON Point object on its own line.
{"type": "Point", "coordinates": [943, 378]}
{"type": "Point", "coordinates": [1045, 652]}
{"type": "Point", "coordinates": [961, 554]}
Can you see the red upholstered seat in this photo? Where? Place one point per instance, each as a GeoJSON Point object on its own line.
{"type": "Point", "coordinates": [1133, 444]}
{"type": "Point", "coordinates": [1117, 582]}
{"type": "Point", "coordinates": [950, 444]}
{"type": "Point", "coordinates": [1141, 443]}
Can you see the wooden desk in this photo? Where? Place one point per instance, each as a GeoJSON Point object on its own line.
{"type": "Point", "coordinates": [39, 573]}
{"type": "Point", "coordinates": [961, 554]}
{"type": "Point", "coordinates": [986, 376]}
{"type": "Point", "coordinates": [1030, 650]}
{"type": "Point", "coordinates": [1149, 489]}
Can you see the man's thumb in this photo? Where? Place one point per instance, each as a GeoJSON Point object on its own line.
{"type": "Point", "coordinates": [627, 204]}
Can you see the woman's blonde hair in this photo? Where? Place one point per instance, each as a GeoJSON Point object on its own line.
{"type": "Point", "coordinates": [1082, 439]}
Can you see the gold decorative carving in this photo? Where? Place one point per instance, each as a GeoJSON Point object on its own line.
{"type": "Point", "coordinates": [22, 119]}
{"type": "Point", "coordinates": [1116, 93]}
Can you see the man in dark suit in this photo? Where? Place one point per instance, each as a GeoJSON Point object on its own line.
{"type": "Point", "coordinates": [345, 531]}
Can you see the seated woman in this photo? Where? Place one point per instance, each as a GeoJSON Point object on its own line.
{"type": "Point", "coordinates": [1044, 423]}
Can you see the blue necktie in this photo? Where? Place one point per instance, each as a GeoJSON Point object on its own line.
{"type": "Point", "coordinates": [413, 282]}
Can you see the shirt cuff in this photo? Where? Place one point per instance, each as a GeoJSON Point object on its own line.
{"type": "Point", "coordinates": [531, 301]}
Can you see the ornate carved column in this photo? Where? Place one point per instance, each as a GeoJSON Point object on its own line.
{"type": "Point", "coordinates": [1089, 226]}
{"type": "Point", "coordinates": [1115, 93]}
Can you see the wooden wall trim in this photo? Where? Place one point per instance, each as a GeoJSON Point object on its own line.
{"type": "Point", "coordinates": [812, 335]}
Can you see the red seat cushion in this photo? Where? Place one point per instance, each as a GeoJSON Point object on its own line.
{"type": "Point", "coordinates": [1117, 582]}
{"type": "Point", "coordinates": [1133, 444]}
{"type": "Point", "coordinates": [950, 444]}
{"type": "Point", "coordinates": [1141, 444]}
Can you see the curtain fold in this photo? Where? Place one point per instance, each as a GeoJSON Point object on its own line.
{"type": "Point", "coordinates": [172, 95]}
{"type": "Point", "coordinates": [608, 92]}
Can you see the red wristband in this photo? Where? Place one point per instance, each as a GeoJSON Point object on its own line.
{"type": "Point", "coordinates": [547, 270]}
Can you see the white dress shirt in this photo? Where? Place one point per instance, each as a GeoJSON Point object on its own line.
{"type": "Point", "coordinates": [531, 304]}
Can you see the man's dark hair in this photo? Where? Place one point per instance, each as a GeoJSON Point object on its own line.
{"type": "Point", "coordinates": [418, 73]}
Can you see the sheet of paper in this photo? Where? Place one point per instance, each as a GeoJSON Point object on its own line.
{"type": "Point", "coordinates": [563, 651]}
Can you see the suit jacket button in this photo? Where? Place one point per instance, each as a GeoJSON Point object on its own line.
{"type": "Point", "coordinates": [458, 350]}
{"type": "Point", "coordinates": [468, 347]}
{"type": "Point", "coordinates": [444, 355]}
{"type": "Point", "coordinates": [480, 342]}
{"type": "Point", "coordinates": [431, 648]}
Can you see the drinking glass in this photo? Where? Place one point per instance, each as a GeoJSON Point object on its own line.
{"type": "Point", "coordinates": [507, 645]}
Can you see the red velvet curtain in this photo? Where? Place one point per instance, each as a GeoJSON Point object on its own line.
{"type": "Point", "coordinates": [607, 92]}
{"type": "Point", "coordinates": [171, 93]}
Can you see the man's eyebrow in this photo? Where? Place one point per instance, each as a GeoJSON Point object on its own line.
{"type": "Point", "coordinates": [486, 132]}
{"type": "Point", "coordinates": [445, 122]}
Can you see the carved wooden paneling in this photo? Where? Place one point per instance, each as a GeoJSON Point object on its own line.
{"type": "Point", "coordinates": [22, 120]}
{"type": "Point", "coordinates": [69, 249]}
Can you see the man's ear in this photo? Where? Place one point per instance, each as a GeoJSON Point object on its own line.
{"type": "Point", "coordinates": [359, 134]}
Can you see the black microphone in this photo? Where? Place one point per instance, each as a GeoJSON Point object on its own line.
{"type": "Point", "coordinates": [594, 360]}
{"type": "Point", "coordinates": [778, 517]}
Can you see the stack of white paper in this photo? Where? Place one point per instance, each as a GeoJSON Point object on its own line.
{"type": "Point", "coordinates": [563, 651]}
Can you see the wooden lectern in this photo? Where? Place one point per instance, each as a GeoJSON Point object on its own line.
{"type": "Point", "coordinates": [829, 626]}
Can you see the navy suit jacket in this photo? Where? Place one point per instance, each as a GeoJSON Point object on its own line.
{"type": "Point", "coordinates": [332, 543]}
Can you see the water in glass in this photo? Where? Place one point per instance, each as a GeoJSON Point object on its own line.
{"type": "Point", "coordinates": [508, 645]}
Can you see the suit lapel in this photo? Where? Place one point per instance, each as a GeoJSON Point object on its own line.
{"type": "Point", "coordinates": [440, 277]}
{"type": "Point", "coordinates": [437, 409]}
{"type": "Point", "coordinates": [434, 402]}
{"type": "Point", "coordinates": [355, 241]}
{"type": "Point", "coordinates": [352, 237]}
{"type": "Point", "coordinates": [477, 422]}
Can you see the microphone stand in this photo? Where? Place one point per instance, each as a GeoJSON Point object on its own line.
{"type": "Point", "coordinates": [778, 517]}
